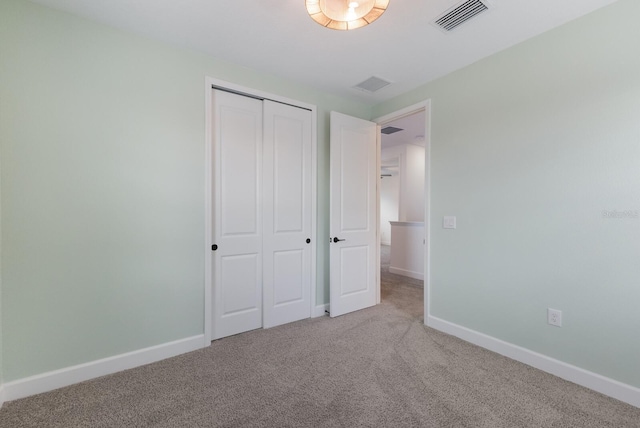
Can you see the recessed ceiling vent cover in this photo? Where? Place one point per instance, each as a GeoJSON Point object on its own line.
{"type": "Point", "coordinates": [461, 13]}
{"type": "Point", "coordinates": [372, 84]}
{"type": "Point", "coordinates": [390, 130]}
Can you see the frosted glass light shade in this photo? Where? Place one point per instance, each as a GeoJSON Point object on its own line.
{"type": "Point", "coordinates": [345, 14]}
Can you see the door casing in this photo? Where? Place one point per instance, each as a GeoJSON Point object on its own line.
{"type": "Point", "coordinates": [425, 107]}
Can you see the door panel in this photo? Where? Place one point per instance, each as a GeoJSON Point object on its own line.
{"type": "Point", "coordinates": [237, 265]}
{"type": "Point", "coordinates": [353, 220]}
{"type": "Point", "coordinates": [289, 169]}
{"type": "Point", "coordinates": [353, 263]}
{"type": "Point", "coordinates": [355, 172]}
{"type": "Point", "coordinates": [243, 272]}
{"type": "Point", "coordinates": [288, 269]}
{"type": "Point", "coordinates": [287, 213]}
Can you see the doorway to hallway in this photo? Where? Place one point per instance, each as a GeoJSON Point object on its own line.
{"type": "Point", "coordinates": [398, 289]}
{"type": "Point", "coordinates": [403, 200]}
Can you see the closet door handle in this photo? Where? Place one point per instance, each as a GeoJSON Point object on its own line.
{"type": "Point", "coordinates": [308, 241]}
{"type": "Point", "coordinates": [338, 240]}
{"type": "Point", "coordinates": [214, 247]}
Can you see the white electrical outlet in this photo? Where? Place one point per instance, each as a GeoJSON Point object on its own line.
{"type": "Point", "coordinates": [554, 317]}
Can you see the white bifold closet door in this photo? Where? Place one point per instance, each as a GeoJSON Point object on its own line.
{"type": "Point", "coordinates": [262, 213]}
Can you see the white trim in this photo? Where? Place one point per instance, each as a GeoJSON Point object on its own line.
{"type": "Point", "coordinates": [604, 385]}
{"type": "Point", "coordinates": [223, 84]}
{"type": "Point", "coordinates": [320, 310]}
{"type": "Point", "coordinates": [211, 82]}
{"type": "Point", "coordinates": [378, 216]}
{"type": "Point", "coordinates": [407, 223]}
{"type": "Point", "coordinates": [58, 378]}
{"type": "Point", "coordinates": [314, 209]}
{"type": "Point", "coordinates": [427, 210]}
{"type": "Point", "coordinates": [405, 272]}
{"type": "Point", "coordinates": [426, 107]}
{"type": "Point", "coordinates": [2, 398]}
{"type": "Point", "coordinates": [208, 212]}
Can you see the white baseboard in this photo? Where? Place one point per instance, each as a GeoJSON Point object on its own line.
{"type": "Point", "coordinates": [1, 395]}
{"type": "Point", "coordinates": [58, 378]}
{"type": "Point", "coordinates": [604, 385]}
{"type": "Point", "coordinates": [320, 310]}
{"type": "Point", "coordinates": [404, 272]}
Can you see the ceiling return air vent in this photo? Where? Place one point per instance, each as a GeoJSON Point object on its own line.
{"type": "Point", "coordinates": [372, 84]}
{"type": "Point", "coordinates": [460, 14]}
{"type": "Point", "coordinates": [388, 130]}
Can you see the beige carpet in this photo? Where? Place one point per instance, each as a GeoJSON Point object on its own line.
{"type": "Point", "coordinates": [377, 367]}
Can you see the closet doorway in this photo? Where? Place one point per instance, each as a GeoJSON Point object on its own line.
{"type": "Point", "coordinates": [260, 212]}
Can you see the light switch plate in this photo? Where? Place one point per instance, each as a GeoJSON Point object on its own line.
{"type": "Point", "coordinates": [449, 222]}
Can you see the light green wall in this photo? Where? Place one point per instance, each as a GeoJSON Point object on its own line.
{"type": "Point", "coordinates": [529, 147]}
{"type": "Point", "coordinates": [102, 142]}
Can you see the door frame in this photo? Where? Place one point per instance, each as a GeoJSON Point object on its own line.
{"type": "Point", "coordinates": [424, 106]}
{"type": "Point", "coordinates": [211, 84]}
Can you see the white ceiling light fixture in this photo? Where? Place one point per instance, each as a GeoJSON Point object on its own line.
{"type": "Point", "coordinates": [345, 14]}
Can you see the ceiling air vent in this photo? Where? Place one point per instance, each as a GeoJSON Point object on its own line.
{"type": "Point", "coordinates": [460, 14]}
{"type": "Point", "coordinates": [372, 84]}
{"type": "Point", "coordinates": [390, 130]}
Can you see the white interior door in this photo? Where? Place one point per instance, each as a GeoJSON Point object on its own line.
{"type": "Point", "coordinates": [237, 261]}
{"type": "Point", "coordinates": [287, 213]}
{"type": "Point", "coordinates": [353, 219]}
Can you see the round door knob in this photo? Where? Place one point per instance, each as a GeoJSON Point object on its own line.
{"type": "Point", "coordinates": [308, 240]}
